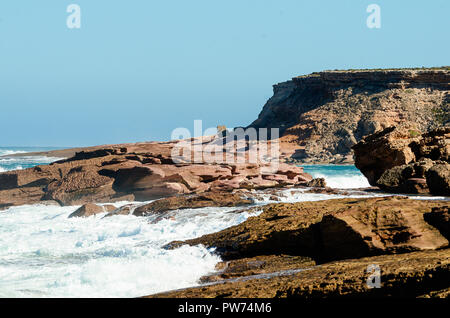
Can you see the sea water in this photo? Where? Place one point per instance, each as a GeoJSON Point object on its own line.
{"type": "Point", "coordinates": [338, 176]}
{"type": "Point", "coordinates": [43, 253]}
{"type": "Point", "coordinates": [22, 162]}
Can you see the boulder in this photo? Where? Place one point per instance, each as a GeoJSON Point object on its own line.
{"type": "Point", "coordinates": [80, 185]}
{"type": "Point", "coordinates": [317, 183]}
{"type": "Point", "coordinates": [123, 210]}
{"type": "Point", "coordinates": [438, 179]}
{"type": "Point", "coordinates": [384, 150]}
{"type": "Point", "coordinates": [212, 199]}
{"type": "Point", "coordinates": [87, 210]}
{"type": "Point", "coordinates": [408, 178]}
{"type": "Point", "coordinates": [402, 160]}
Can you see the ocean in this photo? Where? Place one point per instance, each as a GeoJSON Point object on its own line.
{"type": "Point", "coordinates": [338, 176]}
{"type": "Point", "coordinates": [23, 162]}
{"type": "Point", "coordinates": [43, 253]}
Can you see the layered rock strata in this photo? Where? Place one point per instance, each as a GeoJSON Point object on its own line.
{"type": "Point", "coordinates": [322, 115]}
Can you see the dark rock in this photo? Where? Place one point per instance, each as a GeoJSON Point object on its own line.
{"type": "Point", "coordinates": [123, 210]}
{"type": "Point", "coordinates": [439, 217]}
{"type": "Point", "coordinates": [317, 183]}
{"type": "Point", "coordinates": [87, 210]}
{"type": "Point", "coordinates": [401, 160]}
{"type": "Point", "coordinates": [409, 275]}
{"type": "Point", "coordinates": [438, 179]}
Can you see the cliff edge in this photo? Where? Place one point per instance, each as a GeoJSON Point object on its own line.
{"type": "Point", "coordinates": [322, 115]}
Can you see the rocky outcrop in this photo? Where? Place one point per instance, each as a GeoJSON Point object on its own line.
{"type": "Point", "coordinates": [213, 199]}
{"type": "Point", "coordinates": [416, 274]}
{"type": "Point", "coordinates": [322, 115]}
{"type": "Point", "coordinates": [90, 209]}
{"type": "Point", "coordinates": [438, 178]}
{"type": "Point", "coordinates": [332, 229]}
{"type": "Point", "coordinates": [401, 159]}
{"type": "Point", "coordinates": [138, 172]}
{"type": "Point", "coordinates": [258, 265]}
{"type": "Point", "coordinates": [276, 253]}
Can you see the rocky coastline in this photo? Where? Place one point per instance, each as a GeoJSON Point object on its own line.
{"type": "Point", "coordinates": [397, 135]}
{"type": "Point", "coordinates": [323, 249]}
{"type": "Point", "coordinates": [136, 172]}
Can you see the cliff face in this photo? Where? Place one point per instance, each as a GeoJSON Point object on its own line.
{"type": "Point", "coordinates": [322, 115]}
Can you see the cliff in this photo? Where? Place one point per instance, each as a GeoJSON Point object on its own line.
{"type": "Point", "coordinates": [322, 115]}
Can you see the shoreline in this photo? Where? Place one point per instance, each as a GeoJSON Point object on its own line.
{"type": "Point", "coordinates": [271, 264]}
{"type": "Point", "coordinates": [66, 153]}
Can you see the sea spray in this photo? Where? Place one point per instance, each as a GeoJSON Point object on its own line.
{"type": "Point", "coordinates": [44, 253]}
{"type": "Point", "coordinates": [338, 176]}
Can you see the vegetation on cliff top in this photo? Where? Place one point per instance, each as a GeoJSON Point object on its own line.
{"type": "Point", "coordinates": [353, 70]}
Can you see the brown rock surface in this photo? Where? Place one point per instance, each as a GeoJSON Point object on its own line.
{"type": "Point", "coordinates": [402, 160]}
{"type": "Point", "coordinates": [317, 183]}
{"type": "Point", "coordinates": [212, 199]}
{"type": "Point", "coordinates": [438, 179]}
{"type": "Point", "coordinates": [142, 172]}
{"type": "Point", "coordinates": [262, 264]}
{"type": "Point", "coordinates": [439, 217]}
{"type": "Point", "coordinates": [416, 274]}
{"type": "Point", "coordinates": [382, 151]}
{"type": "Point", "coordinates": [330, 230]}
{"type": "Point", "coordinates": [90, 209]}
{"type": "Point", "coordinates": [123, 210]}
{"type": "Point", "coordinates": [322, 115]}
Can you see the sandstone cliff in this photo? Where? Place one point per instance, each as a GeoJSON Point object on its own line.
{"type": "Point", "coordinates": [322, 115]}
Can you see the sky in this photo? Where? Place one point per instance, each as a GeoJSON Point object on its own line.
{"type": "Point", "coordinates": [135, 70]}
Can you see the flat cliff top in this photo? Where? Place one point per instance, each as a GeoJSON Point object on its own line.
{"type": "Point", "coordinates": [442, 69]}
{"type": "Point", "coordinates": [435, 76]}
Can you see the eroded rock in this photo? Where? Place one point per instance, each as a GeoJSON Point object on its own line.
{"type": "Point", "coordinates": [402, 160]}
{"type": "Point", "coordinates": [135, 172]}
{"type": "Point", "coordinates": [416, 274]}
{"type": "Point", "coordinates": [212, 199]}
{"type": "Point", "coordinates": [330, 230]}
{"type": "Point", "coordinates": [90, 209]}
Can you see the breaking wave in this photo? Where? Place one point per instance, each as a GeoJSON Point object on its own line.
{"type": "Point", "coordinates": [339, 176]}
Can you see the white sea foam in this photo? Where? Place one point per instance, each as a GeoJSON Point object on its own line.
{"type": "Point", "coordinates": [43, 253]}
{"type": "Point", "coordinates": [344, 181]}
{"type": "Point", "coordinates": [19, 163]}
{"type": "Point", "coordinates": [5, 152]}
{"type": "Point", "coordinates": [301, 195]}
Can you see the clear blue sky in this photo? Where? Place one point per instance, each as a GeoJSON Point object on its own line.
{"type": "Point", "coordinates": [137, 69]}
